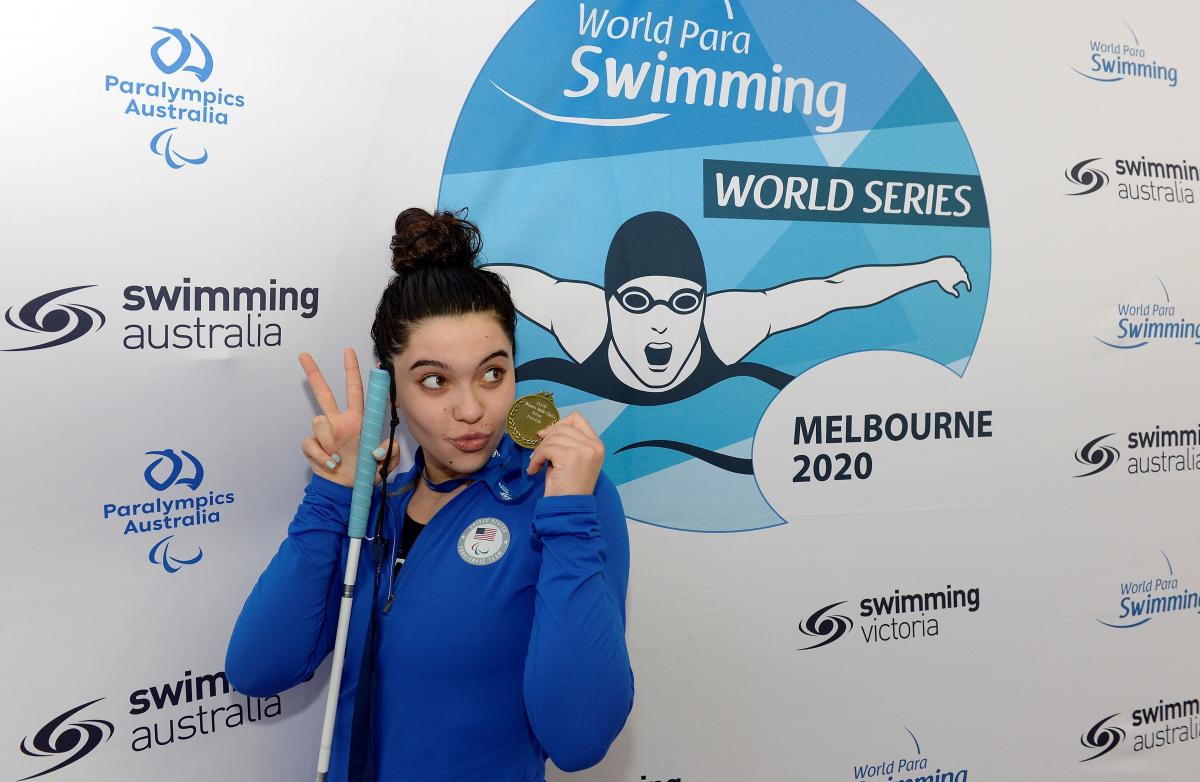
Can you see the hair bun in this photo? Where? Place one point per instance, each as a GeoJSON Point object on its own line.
{"type": "Point", "coordinates": [442, 237]}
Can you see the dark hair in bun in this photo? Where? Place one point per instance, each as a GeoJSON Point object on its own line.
{"type": "Point", "coordinates": [441, 237]}
{"type": "Point", "coordinates": [434, 257]}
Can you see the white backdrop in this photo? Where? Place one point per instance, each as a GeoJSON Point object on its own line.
{"type": "Point", "coordinates": [347, 117]}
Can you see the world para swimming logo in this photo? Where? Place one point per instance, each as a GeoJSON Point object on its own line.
{"type": "Point", "coordinates": [753, 192]}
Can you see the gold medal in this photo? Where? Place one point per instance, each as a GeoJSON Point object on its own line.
{"type": "Point", "coordinates": [530, 415]}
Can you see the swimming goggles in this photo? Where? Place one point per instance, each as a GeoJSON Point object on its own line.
{"type": "Point", "coordinates": [638, 300]}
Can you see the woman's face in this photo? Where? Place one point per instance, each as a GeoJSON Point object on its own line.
{"type": "Point", "coordinates": [455, 384]}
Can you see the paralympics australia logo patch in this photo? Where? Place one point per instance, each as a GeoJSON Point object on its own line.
{"type": "Point", "coordinates": [179, 97]}
{"type": "Point", "coordinates": [748, 192]}
{"type": "Point", "coordinates": [483, 541]}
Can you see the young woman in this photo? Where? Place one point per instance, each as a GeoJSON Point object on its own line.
{"type": "Point", "coordinates": [488, 627]}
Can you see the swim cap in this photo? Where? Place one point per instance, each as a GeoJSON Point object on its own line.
{"type": "Point", "coordinates": [653, 243]}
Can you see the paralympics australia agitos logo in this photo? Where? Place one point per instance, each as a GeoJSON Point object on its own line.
{"type": "Point", "coordinates": [749, 191]}
{"type": "Point", "coordinates": [179, 99]}
{"type": "Point", "coordinates": [179, 506]}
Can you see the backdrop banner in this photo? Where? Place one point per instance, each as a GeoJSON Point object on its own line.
{"type": "Point", "coordinates": [880, 308]}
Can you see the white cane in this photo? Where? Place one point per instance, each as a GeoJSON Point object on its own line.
{"type": "Point", "coordinates": [375, 409]}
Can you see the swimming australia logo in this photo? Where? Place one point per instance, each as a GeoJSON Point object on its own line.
{"type": "Point", "coordinates": [895, 617]}
{"type": "Point", "coordinates": [1086, 176]}
{"type": "Point", "coordinates": [1099, 457]}
{"type": "Point", "coordinates": [175, 466]}
{"type": "Point", "coordinates": [1111, 60]}
{"type": "Point", "coordinates": [1142, 179]}
{"type": "Point", "coordinates": [483, 541]}
{"type": "Point", "coordinates": [1162, 725]}
{"type": "Point", "coordinates": [1151, 452]}
{"type": "Point", "coordinates": [183, 44]}
{"type": "Point", "coordinates": [59, 738]}
{"type": "Point", "coordinates": [183, 315]}
{"type": "Point", "coordinates": [57, 323]}
{"type": "Point", "coordinates": [1150, 318]}
{"type": "Point", "coordinates": [180, 93]}
{"type": "Point", "coordinates": [1104, 739]}
{"type": "Point", "coordinates": [1158, 596]}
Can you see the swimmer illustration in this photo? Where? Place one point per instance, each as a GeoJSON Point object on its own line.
{"type": "Point", "coordinates": [655, 334]}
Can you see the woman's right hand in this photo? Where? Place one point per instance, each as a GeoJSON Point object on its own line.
{"type": "Point", "coordinates": [333, 447]}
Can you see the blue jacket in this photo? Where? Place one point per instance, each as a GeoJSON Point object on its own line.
{"type": "Point", "coordinates": [486, 664]}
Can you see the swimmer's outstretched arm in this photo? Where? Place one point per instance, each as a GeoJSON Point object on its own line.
{"type": "Point", "coordinates": [737, 321]}
{"type": "Point", "coordinates": [573, 311]}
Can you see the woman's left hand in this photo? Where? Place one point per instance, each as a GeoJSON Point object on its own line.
{"type": "Point", "coordinates": [572, 454]}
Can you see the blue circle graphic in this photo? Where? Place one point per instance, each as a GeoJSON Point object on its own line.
{"type": "Point", "coordinates": [695, 205]}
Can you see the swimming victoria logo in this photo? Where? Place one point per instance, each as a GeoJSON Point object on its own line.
{"type": "Point", "coordinates": [899, 616]}
{"type": "Point", "coordinates": [180, 504]}
{"type": "Point", "coordinates": [180, 99]}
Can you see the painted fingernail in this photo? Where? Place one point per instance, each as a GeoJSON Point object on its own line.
{"type": "Point", "coordinates": [337, 458]}
{"type": "Point", "coordinates": [329, 464]}
{"type": "Point", "coordinates": [379, 452]}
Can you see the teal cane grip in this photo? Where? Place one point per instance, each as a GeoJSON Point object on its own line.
{"type": "Point", "coordinates": [365, 467]}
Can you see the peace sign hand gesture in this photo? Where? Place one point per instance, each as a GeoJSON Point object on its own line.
{"type": "Point", "coordinates": [332, 449]}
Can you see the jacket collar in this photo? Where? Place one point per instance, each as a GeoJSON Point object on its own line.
{"type": "Point", "coordinates": [504, 474]}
